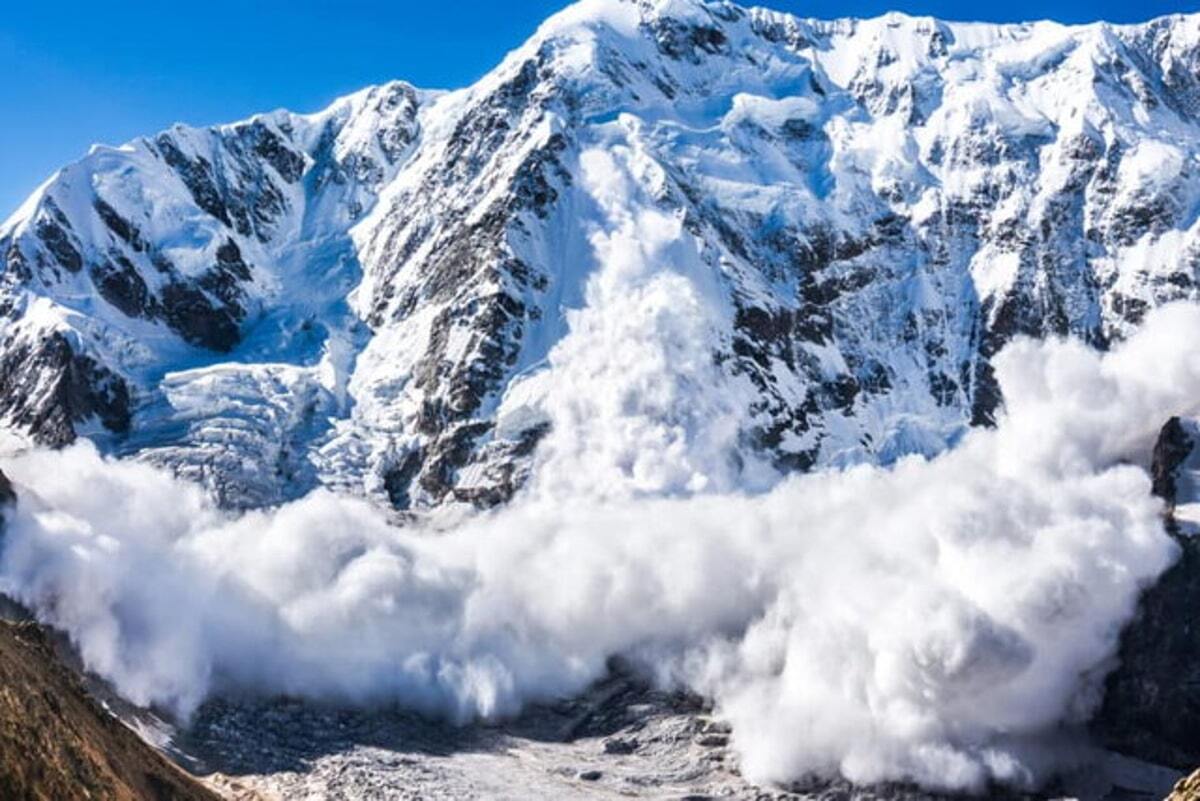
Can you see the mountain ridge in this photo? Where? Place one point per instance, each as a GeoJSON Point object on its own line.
{"type": "Point", "coordinates": [372, 297]}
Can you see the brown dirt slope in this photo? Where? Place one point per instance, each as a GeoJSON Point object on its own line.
{"type": "Point", "coordinates": [57, 744]}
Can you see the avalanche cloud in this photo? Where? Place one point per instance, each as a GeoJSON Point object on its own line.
{"type": "Point", "coordinates": [933, 621]}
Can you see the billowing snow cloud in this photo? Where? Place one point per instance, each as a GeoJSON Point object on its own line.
{"type": "Point", "coordinates": [926, 621]}
{"type": "Point", "coordinates": [932, 621]}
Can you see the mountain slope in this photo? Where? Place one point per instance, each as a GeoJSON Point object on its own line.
{"type": "Point", "coordinates": [700, 243]}
{"type": "Point", "coordinates": [56, 743]}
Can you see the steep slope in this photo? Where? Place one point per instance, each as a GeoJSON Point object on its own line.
{"type": "Point", "coordinates": [208, 263]}
{"type": "Point", "coordinates": [699, 242]}
{"type": "Point", "coordinates": [1187, 789]}
{"type": "Point", "coordinates": [56, 743]}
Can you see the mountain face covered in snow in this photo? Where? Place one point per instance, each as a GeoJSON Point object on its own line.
{"type": "Point", "coordinates": [696, 243]}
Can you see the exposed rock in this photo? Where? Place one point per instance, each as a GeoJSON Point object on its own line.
{"type": "Point", "coordinates": [8, 494]}
{"type": "Point", "coordinates": [190, 312]}
{"type": "Point", "coordinates": [621, 745]}
{"type": "Point", "coordinates": [119, 282]}
{"type": "Point", "coordinates": [1187, 789]}
{"type": "Point", "coordinates": [1175, 443]}
{"type": "Point", "coordinates": [1151, 705]}
{"type": "Point", "coordinates": [48, 388]}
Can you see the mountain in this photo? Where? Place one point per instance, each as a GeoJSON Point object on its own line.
{"type": "Point", "coordinates": [819, 231]}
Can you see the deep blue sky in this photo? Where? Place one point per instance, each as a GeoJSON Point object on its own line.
{"type": "Point", "coordinates": [74, 72]}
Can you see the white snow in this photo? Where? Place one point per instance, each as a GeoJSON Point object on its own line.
{"type": "Point", "coordinates": [925, 622]}
{"type": "Point", "coordinates": [940, 611]}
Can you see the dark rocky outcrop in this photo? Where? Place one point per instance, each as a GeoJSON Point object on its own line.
{"type": "Point", "coordinates": [190, 312]}
{"type": "Point", "coordinates": [123, 228]}
{"type": "Point", "coordinates": [119, 282]}
{"type": "Point", "coordinates": [8, 494]}
{"type": "Point", "coordinates": [1151, 706]}
{"type": "Point", "coordinates": [46, 388]}
{"type": "Point", "coordinates": [54, 230]}
{"type": "Point", "coordinates": [1173, 447]}
{"type": "Point", "coordinates": [197, 175]}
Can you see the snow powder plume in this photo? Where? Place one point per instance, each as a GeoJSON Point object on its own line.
{"type": "Point", "coordinates": [931, 621]}
{"type": "Point", "coordinates": [633, 394]}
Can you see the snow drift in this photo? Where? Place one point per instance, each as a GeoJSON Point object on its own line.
{"type": "Point", "coordinates": [934, 621]}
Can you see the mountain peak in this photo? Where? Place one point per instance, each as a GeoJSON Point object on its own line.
{"type": "Point", "coordinates": [405, 263]}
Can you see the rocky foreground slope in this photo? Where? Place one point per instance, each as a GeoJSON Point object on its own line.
{"type": "Point", "coordinates": [57, 744]}
{"type": "Point", "coordinates": [1187, 789]}
{"type": "Point", "coordinates": [846, 218]}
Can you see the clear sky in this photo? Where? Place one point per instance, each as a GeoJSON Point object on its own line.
{"type": "Point", "coordinates": [74, 72]}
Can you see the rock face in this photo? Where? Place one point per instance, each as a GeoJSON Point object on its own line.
{"type": "Point", "coordinates": [1176, 444]}
{"type": "Point", "coordinates": [371, 297]}
{"type": "Point", "coordinates": [56, 744]}
{"type": "Point", "coordinates": [1152, 701]}
{"type": "Point", "coordinates": [1187, 789]}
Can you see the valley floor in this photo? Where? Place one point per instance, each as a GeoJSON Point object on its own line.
{"type": "Point", "coordinates": [621, 739]}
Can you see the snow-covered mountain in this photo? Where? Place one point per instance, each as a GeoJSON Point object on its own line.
{"type": "Point", "coordinates": [787, 242]}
